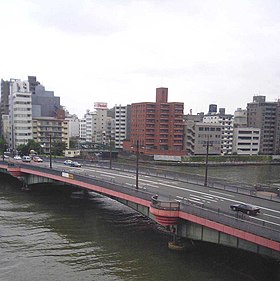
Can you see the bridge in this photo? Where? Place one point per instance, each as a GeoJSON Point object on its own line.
{"type": "Point", "coordinates": [188, 209]}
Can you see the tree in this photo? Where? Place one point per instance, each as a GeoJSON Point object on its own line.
{"type": "Point", "coordinates": [24, 149]}
{"type": "Point", "coordinates": [74, 142]}
{"type": "Point", "coordinates": [58, 148]}
{"type": "Point", "coordinates": [3, 145]}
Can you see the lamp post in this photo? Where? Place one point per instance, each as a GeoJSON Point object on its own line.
{"type": "Point", "coordinates": [137, 163]}
{"type": "Point", "coordinates": [50, 151]}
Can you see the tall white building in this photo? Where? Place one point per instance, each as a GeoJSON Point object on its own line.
{"type": "Point", "coordinates": [240, 118]}
{"type": "Point", "coordinates": [121, 124]}
{"type": "Point", "coordinates": [86, 127]}
{"type": "Point", "coordinates": [226, 121]}
{"type": "Point", "coordinates": [20, 113]}
{"type": "Point", "coordinates": [73, 125]}
{"type": "Point", "coordinates": [97, 126]}
{"type": "Point", "coordinates": [82, 129]}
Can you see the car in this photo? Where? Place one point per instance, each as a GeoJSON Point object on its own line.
{"type": "Point", "coordinates": [26, 159]}
{"type": "Point", "coordinates": [75, 164]}
{"type": "Point", "coordinates": [246, 209]}
{"type": "Point", "coordinates": [67, 162]}
{"type": "Point", "coordinates": [17, 157]}
{"type": "Point", "coordinates": [37, 159]}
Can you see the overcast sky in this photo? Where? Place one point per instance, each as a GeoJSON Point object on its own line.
{"type": "Point", "coordinates": [119, 52]}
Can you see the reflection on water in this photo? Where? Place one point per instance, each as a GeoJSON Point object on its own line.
{"type": "Point", "coordinates": [47, 235]}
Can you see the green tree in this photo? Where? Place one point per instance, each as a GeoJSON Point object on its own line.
{"type": "Point", "coordinates": [24, 149]}
{"type": "Point", "coordinates": [58, 148]}
{"type": "Point", "coordinates": [74, 142]}
{"type": "Point", "coordinates": [3, 145]}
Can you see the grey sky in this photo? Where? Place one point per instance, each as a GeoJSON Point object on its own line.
{"type": "Point", "coordinates": [221, 52]}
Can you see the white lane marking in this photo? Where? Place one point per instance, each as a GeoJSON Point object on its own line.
{"type": "Point", "coordinates": [194, 198]}
{"type": "Point", "coordinates": [108, 176]}
{"type": "Point", "coordinates": [264, 221]}
{"type": "Point", "coordinates": [271, 216]}
{"type": "Point", "coordinates": [229, 195]}
{"type": "Point", "coordinates": [193, 195]}
{"type": "Point", "coordinates": [227, 199]}
{"type": "Point", "coordinates": [151, 185]}
{"type": "Point", "coordinates": [209, 196]}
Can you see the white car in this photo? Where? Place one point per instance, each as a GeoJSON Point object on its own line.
{"type": "Point", "coordinates": [67, 162]}
{"type": "Point", "coordinates": [17, 157]}
{"type": "Point", "coordinates": [26, 159]}
{"type": "Point", "coordinates": [37, 159]}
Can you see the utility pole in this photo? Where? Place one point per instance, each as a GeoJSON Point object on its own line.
{"type": "Point", "coordinates": [50, 151]}
{"type": "Point", "coordinates": [110, 152]}
{"type": "Point", "coordinates": [206, 162]}
{"type": "Point", "coordinates": [137, 163]}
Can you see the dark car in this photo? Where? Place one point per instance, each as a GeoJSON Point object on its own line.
{"type": "Point", "coordinates": [75, 164]}
{"type": "Point", "coordinates": [245, 208]}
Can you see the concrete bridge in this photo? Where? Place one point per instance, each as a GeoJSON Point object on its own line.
{"type": "Point", "coordinates": [185, 217]}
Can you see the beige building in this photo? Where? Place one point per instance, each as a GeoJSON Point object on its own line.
{"type": "Point", "coordinates": [210, 133]}
{"type": "Point", "coordinates": [50, 128]}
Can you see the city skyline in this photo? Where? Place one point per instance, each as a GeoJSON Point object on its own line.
{"type": "Point", "coordinates": [204, 52]}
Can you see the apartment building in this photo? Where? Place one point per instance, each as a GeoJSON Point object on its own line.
{"type": "Point", "coordinates": [265, 116]}
{"type": "Point", "coordinates": [122, 124]}
{"type": "Point", "coordinates": [50, 129]}
{"type": "Point", "coordinates": [189, 132]}
{"type": "Point", "coordinates": [20, 113]}
{"type": "Point", "coordinates": [157, 127]}
{"type": "Point", "coordinates": [240, 118]}
{"type": "Point", "coordinates": [226, 121]}
{"type": "Point", "coordinates": [73, 125]}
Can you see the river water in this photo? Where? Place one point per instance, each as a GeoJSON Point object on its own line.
{"type": "Point", "coordinates": [251, 174]}
{"type": "Point", "coordinates": [47, 235]}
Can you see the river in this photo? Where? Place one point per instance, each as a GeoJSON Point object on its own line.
{"type": "Point", "coordinates": [47, 235]}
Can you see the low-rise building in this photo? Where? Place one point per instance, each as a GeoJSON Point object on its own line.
{"type": "Point", "coordinates": [207, 134]}
{"type": "Point", "coordinates": [246, 141]}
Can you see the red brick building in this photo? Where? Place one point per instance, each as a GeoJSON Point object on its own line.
{"type": "Point", "coordinates": [157, 126]}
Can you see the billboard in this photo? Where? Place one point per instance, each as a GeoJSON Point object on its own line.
{"type": "Point", "coordinates": [100, 105]}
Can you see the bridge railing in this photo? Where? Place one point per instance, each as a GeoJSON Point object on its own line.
{"type": "Point", "coordinates": [165, 205]}
{"type": "Point", "coordinates": [82, 176]}
{"type": "Point", "coordinates": [240, 221]}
